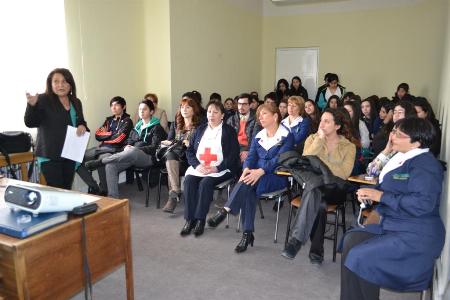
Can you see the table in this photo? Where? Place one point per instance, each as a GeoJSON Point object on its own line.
{"type": "Point", "coordinates": [49, 265]}
{"type": "Point", "coordinates": [362, 180]}
{"type": "Point", "coordinates": [21, 159]}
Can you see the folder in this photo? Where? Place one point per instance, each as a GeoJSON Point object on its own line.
{"type": "Point", "coordinates": [21, 224]}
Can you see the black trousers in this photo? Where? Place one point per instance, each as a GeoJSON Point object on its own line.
{"type": "Point", "coordinates": [354, 287]}
{"type": "Point", "coordinates": [198, 195]}
{"type": "Point", "coordinates": [59, 173]}
{"type": "Point", "coordinates": [330, 196]}
{"type": "Point", "coordinates": [86, 175]}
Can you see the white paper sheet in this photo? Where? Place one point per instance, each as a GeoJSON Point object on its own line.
{"type": "Point", "coordinates": [74, 145]}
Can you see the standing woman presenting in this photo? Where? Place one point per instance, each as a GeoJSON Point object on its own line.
{"type": "Point", "coordinates": [51, 113]}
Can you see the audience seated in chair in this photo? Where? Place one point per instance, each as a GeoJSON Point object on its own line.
{"type": "Point", "coordinates": [159, 113]}
{"type": "Point", "coordinates": [186, 120]}
{"type": "Point", "coordinates": [258, 175]}
{"type": "Point", "coordinates": [213, 156]}
{"type": "Point", "coordinates": [381, 138]}
{"type": "Point", "coordinates": [313, 112]}
{"type": "Point", "coordinates": [335, 146]}
{"type": "Point", "coordinates": [425, 111]}
{"type": "Point", "coordinates": [296, 122]}
{"type": "Point", "coordinates": [398, 252]}
{"type": "Point", "coordinates": [244, 123]}
{"type": "Point", "coordinates": [332, 87]}
{"type": "Point", "coordinates": [297, 89]}
{"type": "Point", "coordinates": [140, 150]}
{"type": "Point", "coordinates": [112, 136]}
{"type": "Point", "coordinates": [403, 109]}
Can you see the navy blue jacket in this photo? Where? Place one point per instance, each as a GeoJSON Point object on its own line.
{"type": "Point", "coordinates": [410, 235]}
{"type": "Point", "coordinates": [258, 157]}
{"type": "Point", "coordinates": [230, 148]}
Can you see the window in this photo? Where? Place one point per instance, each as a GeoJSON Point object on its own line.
{"type": "Point", "coordinates": [33, 42]}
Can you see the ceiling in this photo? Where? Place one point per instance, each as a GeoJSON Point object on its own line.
{"type": "Point", "coordinates": [297, 2]}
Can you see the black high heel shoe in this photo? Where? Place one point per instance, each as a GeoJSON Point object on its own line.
{"type": "Point", "coordinates": [247, 238]}
{"type": "Point", "coordinates": [218, 218]}
{"type": "Point", "coordinates": [187, 228]}
{"type": "Point", "coordinates": [199, 227]}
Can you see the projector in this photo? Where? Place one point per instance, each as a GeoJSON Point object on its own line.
{"type": "Point", "coordinates": [41, 199]}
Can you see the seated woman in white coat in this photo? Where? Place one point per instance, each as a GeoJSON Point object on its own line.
{"type": "Point", "coordinates": [213, 156]}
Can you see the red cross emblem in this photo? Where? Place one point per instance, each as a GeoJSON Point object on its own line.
{"type": "Point", "coordinates": [207, 157]}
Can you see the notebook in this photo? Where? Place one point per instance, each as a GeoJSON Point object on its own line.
{"type": "Point", "coordinates": [21, 224]}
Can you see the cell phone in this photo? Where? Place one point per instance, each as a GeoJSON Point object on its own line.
{"type": "Point", "coordinates": [85, 209]}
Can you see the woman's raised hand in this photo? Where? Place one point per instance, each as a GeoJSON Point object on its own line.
{"type": "Point", "coordinates": [32, 100]}
{"type": "Point", "coordinates": [320, 133]}
{"type": "Point", "coordinates": [388, 148]}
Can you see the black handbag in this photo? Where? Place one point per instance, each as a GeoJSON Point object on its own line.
{"type": "Point", "coordinates": [15, 142]}
{"type": "Point", "coordinates": [177, 148]}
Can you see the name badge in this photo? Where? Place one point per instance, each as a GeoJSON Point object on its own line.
{"type": "Point", "coordinates": [401, 176]}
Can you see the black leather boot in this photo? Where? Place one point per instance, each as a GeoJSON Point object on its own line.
{"type": "Point", "coordinates": [292, 248]}
{"type": "Point", "coordinates": [199, 227]}
{"type": "Point", "coordinates": [218, 218]}
{"type": "Point", "coordinates": [247, 238]}
{"type": "Point", "coordinates": [187, 228]}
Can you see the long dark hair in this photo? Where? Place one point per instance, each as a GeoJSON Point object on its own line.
{"type": "Point", "coordinates": [356, 117]}
{"type": "Point", "coordinates": [341, 117]}
{"type": "Point", "coordinates": [388, 106]}
{"type": "Point", "coordinates": [67, 76]}
{"type": "Point", "coordinates": [426, 107]}
{"type": "Point", "coordinates": [315, 118]}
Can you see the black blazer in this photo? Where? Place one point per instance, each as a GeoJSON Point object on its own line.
{"type": "Point", "coordinates": [230, 148]}
{"type": "Point", "coordinates": [51, 119]}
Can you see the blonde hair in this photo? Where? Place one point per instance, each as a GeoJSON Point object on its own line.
{"type": "Point", "coordinates": [299, 101]}
{"type": "Point", "coordinates": [272, 108]}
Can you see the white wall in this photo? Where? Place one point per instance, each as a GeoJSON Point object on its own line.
{"type": "Point", "coordinates": [442, 283]}
{"type": "Point", "coordinates": [215, 47]}
{"type": "Point", "coordinates": [372, 50]}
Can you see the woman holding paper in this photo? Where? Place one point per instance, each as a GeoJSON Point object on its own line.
{"type": "Point", "coordinates": [51, 112]}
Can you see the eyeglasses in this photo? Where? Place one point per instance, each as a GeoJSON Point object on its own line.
{"type": "Point", "coordinates": [400, 135]}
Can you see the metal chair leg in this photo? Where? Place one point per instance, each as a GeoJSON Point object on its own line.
{"type": "Point", "coordinates": [147, 189]}
{"type": "Point", "coordinates": [139, 182]}
{"type": "Point", "coordinates": [260, 208]}
{"type": "Point", "coordinates": [158, 201]}
{"type": "Point", "coordinates": [423, 295]}
{"type": "Point", "coordinates": [238, 229]}
{"type": "Point", "coordinates": [336, 222]}
{"type": "Point", "coordinates": [278, 216]}
{"type": "Point", "coordinates": [228, 215]}
{"type": "Point", "coordinates": [344, 228]}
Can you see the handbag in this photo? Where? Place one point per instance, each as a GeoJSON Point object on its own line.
{"type": "Point", "coordinates": [15, 142]}
{"type": "Point", "coordinates": [177, 148]}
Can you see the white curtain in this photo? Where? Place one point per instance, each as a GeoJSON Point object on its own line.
{"type": "Point", "coordinates": [33, 42]}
